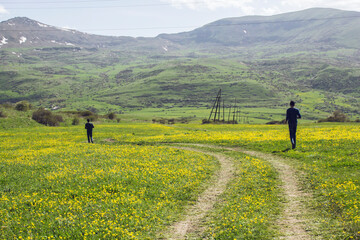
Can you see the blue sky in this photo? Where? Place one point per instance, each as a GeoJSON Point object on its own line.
{"type": "Point", "coordinates": [150, 18]}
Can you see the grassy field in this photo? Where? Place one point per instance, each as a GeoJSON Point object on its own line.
{"type": "Point", "coordinates": [132, 184]}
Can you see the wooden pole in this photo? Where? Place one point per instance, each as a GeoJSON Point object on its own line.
{"type": "Point", "coordinates": [234, 112]}
{"type": "Point", "coordinates": [219, 100]}
{"type": "Point", "coordinates": [212, 110]}
{"type": "Point", "coordinates": [223, 110]}
{"type": "Point", "coordinates": [229, 113]}
{"type": "Point", "coordinates": [218, 106]}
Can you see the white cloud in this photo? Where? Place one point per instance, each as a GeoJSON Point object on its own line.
{"type": "Point", "coordinates": [270, 11]}
{"type": "Point", "coordinates": [264, 7]}
{"type": "Point", "coordinates": [3, 10]}
{"type": "Point", "coordinates": [343, 4]}
{"type": "Point", "coordinates": [243, 5]}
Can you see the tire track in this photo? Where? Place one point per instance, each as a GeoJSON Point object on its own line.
{"type": "Point", "coordinates": [292, 223]}
{"type": "Point", "coordinates": [192, 220]}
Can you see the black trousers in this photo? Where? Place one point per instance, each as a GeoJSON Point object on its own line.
{"type": "Point", "coordinates": [292, 130]}
{"type": "Point", "coordinates": [89, 135]}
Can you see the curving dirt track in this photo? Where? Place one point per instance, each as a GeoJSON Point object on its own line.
{"type": "Point", "coordinates": [192, 221]}
{"type": "Point", "coordinates": [292, 224]}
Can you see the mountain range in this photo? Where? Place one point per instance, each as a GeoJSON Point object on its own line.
{"type": "Point", "coordinates": [312, 56]}
{"type": "Point", "coordinates": [316, 26]}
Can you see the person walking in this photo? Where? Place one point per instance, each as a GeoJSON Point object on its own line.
{"type": "Point", "coordinates": [89, 127]}
{"type": "Point", "coordinates": [292, 115]}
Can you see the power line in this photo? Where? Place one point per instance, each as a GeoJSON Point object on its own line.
{"type": "Point", "coordinates": [88, 7]}
{"type": "Point", "coordinates": [108, 29]}
{"type": "Point", "coordinates": [89, 1]}
{"type": "Point", "coordinates": [69, 1]}
{"type": "Point", "coordinates": [94, 1]}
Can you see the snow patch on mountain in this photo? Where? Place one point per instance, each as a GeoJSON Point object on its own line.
{"type": "Point", "coordinates": [22, 40]}
{"type": "Point", "coordinates": [42, 25]}
{"type": "Point", "coordinates": [65, 29]}
{"type": "Point", "coordinates": [3, 41]}
{"type": "Point", "coordinates": [18, 55]}
{"type": "Point", "coordinates": [53, 41]}
{"type": "Point", "coordinates": [66, 43]}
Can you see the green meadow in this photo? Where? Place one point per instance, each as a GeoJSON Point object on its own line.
{"type": "Point", "coordinates": [134, 182]}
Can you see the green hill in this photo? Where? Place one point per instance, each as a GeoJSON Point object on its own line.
{"type": "Point", "coordinates": [310, 56]}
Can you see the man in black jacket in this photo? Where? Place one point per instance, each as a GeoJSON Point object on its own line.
{"type": "Point", "coordinates": [89, 127]}
{"type": "Point", "coordinates": [292, 114]}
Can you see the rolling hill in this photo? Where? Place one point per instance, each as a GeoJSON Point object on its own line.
{"type": "Point", "coordinates": [311, 56]}
{"type": "Point", "coordinates": [329, 27]}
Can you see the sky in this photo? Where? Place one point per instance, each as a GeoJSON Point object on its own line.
{"type": "Point", "coordinates": [140, 18]}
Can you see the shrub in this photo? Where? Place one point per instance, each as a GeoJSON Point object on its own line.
{"type": "Point", "coordinates": [277, 122]}
{"type": "Point", "coordinates": [46, 117]}
{"type": "Point", "coordinates": [22, 106]}
{"type": "Point", "coordinates": [2, 114]}
{"type": "Point", "coordinates": [58, 118]}
{"type": "Point", "coordinates": [76, 121]}
{"type": "Point", "coordinates": [86, 113]}
{"type": "Point", "coordinates": [111, 115]}
{"type": "Point", "coordinates": [89, 115]}
{"type": "Point", "coordinates": [205, 121]}
{"type": "Point", "coordinates": [337, 116]}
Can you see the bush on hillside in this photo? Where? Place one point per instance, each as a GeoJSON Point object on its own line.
{"type": "Point", "coordinates": [2, 114]}
{"type": "Point", "coordinates": [89, 115]}
{"type": "Point", "coordinates": [46, 117]}
{"type": "Point", "coordinates": [86, 113]}
{"type": "Point", "coordinates": [337, 116]}
{"type": "Point", "coordinates": [111, 115]}
{"type": "Point", "coordinates": [22, 106]}
{"type": "Point", "coordinates": [75, 121]}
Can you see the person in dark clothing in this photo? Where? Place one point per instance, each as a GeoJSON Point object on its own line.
{"type": "Point", "coordinates": [89, 127]}
{"type": "Point", "coordinates": [292, 115]}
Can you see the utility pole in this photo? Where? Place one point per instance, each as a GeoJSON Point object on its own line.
{"type": "Point", "coordinates": [217, 106]}
{"type": "Point", "coordinates": [223, 110]}
{"type": "Point", "coordinates": [229, 114]}
{"type": "Point", "coordinates": [234, 112]}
